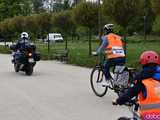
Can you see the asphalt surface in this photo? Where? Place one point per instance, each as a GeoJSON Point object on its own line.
{"type": "Point", "coordinates": [55, 91]}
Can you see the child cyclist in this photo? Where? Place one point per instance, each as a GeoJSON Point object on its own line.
{"type": "Point", "coordinates": [147, 87]}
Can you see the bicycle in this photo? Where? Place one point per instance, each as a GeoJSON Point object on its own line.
{"type": "Point", "coordinates": [120, 74]}
{"type": "Point", "coordinates": [133, 107]}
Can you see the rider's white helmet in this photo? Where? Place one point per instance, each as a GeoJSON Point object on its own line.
{"type": "Point", "coordinates": [24, 35]}
{"type": "Point", "coordinates": [108, 28]}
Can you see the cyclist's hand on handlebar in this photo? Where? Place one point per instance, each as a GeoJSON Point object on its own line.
{"type": "Point", "coordinates": [94, 53]}
{"type": "Point", "coordinates": [114, 102]}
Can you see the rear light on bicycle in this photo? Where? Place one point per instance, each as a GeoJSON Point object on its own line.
{"type": "Point", "coordinates": [30, 54]}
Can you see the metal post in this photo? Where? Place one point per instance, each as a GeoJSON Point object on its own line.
{"type": "Point", "coordinates": [99, 18]}
{"type": "Point", "coordinates": [144, 27]}
{"type": "Point", "coordinates": [125, 45]}
{"type": "Point", "coordinates": [48, 47]}
{"type": "Point", "coordinates": [145, 18]}
{"type": "Point", "coordinates": [66, 43]}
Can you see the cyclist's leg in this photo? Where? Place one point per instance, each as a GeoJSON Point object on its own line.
{"type": "Point", "coordinates": [106, 66]}
{"type": "Point", "coordinates": [110, 63]}
{"type": "Point", "coordinates": [117, 61]}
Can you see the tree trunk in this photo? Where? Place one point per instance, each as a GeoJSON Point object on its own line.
{"type": "Point", "coordinates": [66, 43]}
{"type": "Point", "coordinates": [89, 42]}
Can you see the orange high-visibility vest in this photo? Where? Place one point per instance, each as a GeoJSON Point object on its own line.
{"type": "Point", "coordinates": [115, 47]}
{"type": "Point", "coordinates": [150, 106]}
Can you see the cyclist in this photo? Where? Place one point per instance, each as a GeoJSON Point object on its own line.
{"type": "Point", "coordinates": [112, 47]}
{"type": "Point", "coordinates": [147, 87]}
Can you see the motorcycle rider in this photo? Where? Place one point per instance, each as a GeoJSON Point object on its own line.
{"type": "Point", "coordinates": [23, 41]}
{"type": "Point", "coordinates": [112, 46]}
{"type": "Point", "coordinates": [20, 47]}
{"type": "Point", "coordinates": [147, 87]}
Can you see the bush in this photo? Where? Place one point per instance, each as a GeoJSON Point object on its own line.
{"type": "Point", "coordinates": [4, 50]}
{"type": "Point", "coordinates": [156, 25]}
{"type": "Point", "coordinates": [119, 30]}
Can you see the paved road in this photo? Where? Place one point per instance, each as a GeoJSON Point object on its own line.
{"type": "Point", "coordinates": [55, 92]}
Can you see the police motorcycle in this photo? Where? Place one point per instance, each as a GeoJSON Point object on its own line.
{"type": "Point", "coordinates": [25, 59]}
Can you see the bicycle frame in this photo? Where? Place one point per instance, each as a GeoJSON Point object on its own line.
{"type": "Point", "coordinates": [112, 87]}
{"type": "Point", "coordinates": [117, 76]}
{"type": "Point", "coordinates": [134, 113]}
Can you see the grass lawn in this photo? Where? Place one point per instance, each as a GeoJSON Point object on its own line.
{"type": "Point", "coordinates": [4, 50]}
{"type": "Point", "coordinates": [135, 49]}
{"type": "Point", "coordinates": [78, 51]}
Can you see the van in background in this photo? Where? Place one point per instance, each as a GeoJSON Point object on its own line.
{"type": "Point", "coordinates": [54, 37]}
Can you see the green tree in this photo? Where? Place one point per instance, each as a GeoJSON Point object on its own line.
{"type": "Point", "coordinates": [86, 14]}
{"type": "Point", "coordinates": [44, 24]}
{"type": "Point", "coordinates": [32, 26]}
{"type": "Point", "coordinates": [122, 11]}
{"type": "Point", "coordinates": [156, 6]}
{"type": "Point", "coordinates": [130, 13]}
{"type": "Point", "coordinates": [38, 6]}
{"type": "Point", "coordinates": [6, 30]}
{"type": "Point", "coordinates": [63, 23]}
{"type": "Point", "coordinates": [11, 8]}
{"type": "Point", "coordinates": [156, 25]}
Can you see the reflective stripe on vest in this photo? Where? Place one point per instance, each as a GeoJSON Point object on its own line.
{"type": "Point", "coordinates": [150, 106]}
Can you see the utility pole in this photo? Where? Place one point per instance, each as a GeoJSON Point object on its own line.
{"type": "Point", "coordinates": [99, 19]}
{"type": "Point", "coordinates": [145, 18]}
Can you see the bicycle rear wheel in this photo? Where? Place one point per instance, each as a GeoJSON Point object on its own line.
{"type": "Point", "coordinates": [96, 79]}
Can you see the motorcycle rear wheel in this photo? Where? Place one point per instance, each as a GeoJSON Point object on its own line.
{"type": "Point", "coordinates": [16, 68]}
{"type": "Point", "coordinates": [29, 70]}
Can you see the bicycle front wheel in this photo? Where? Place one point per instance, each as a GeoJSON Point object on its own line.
{"type": "Point", "coordinates": [96, 79]}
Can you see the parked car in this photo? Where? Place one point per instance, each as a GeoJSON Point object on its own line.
{"type": "Point", "coordinates": [54, 37]}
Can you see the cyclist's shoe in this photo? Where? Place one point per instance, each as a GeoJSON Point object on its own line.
{"type": "Point", "coordinates": [106, 83]}
{"type": "Point", "coordinates": [114, 102]}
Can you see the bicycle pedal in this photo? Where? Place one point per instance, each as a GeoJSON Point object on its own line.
{"type": "Point", "coordinates": [116, 87]}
